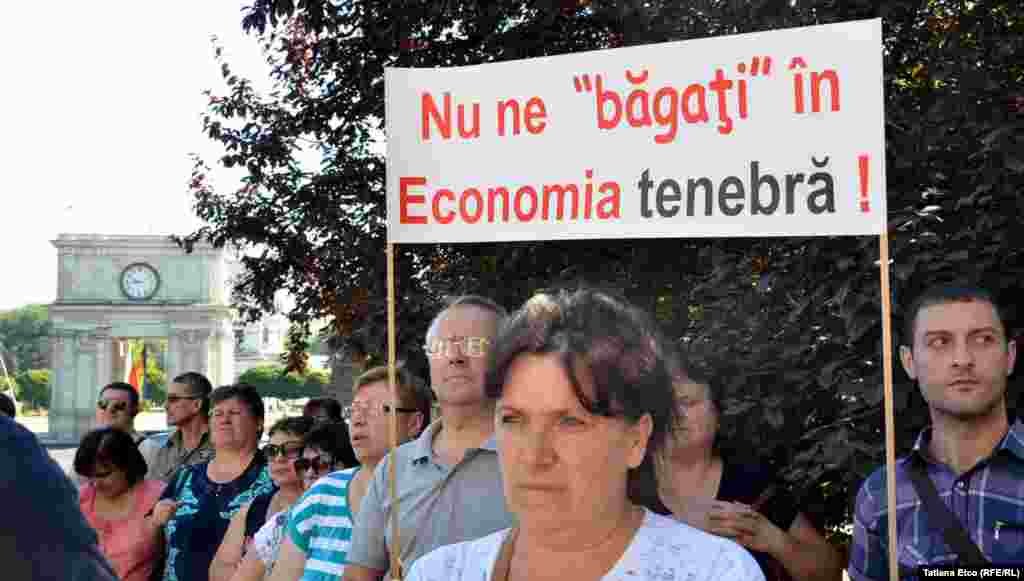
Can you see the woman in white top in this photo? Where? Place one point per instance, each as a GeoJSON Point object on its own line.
{"type": "Point", "coordinates": [583, 402]}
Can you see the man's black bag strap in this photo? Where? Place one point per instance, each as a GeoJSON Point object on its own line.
{"type": "Point", "coordinates": [953, 532]}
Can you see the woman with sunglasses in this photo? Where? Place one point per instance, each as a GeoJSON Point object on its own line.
{"type": "Point", "coordinates": [235, 559]}
{"type": "Point", "coordinates": [327, 449]}
{"type": "Point", "coordinates": [115, 499]}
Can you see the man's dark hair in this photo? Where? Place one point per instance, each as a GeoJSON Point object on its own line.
{"type": "Point", "coordinates": [328, 404]}
{"type": "Point", "coordinates": [110, 446]}
{"type": "Point", "coordinates": [478, 301]}
{"type": "Point", "coordinates": [7, 406]}
{"type": "Point", "coordinates": [122, 386]}
{"type": "Point", "coordinates": [944, 294]}
{"type": "Point", "coordinates": [332, 438]}
{"type": "Point", "coordinates": [412, 390]}
{"type": "Point", "coordinates": [198, 385]}
{"type": "Point", "coordinates": [611, 342]}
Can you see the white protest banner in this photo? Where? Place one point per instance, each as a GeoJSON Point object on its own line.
{"type": "Point", "coordinates": [769, 134]}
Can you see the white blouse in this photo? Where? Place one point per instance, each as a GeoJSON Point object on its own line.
{"type": "Point", "coordinates": [662, 550]}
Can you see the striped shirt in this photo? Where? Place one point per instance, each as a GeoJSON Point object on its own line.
{"type": "Point", "coordinates": [988, 500]}
{"type": "Point", "coordinates": [321, 526]}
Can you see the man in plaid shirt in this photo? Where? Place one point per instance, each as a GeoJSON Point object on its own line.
{"type": "Point", "coordinates": [960, 355]}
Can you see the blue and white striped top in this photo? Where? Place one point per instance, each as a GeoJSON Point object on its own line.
{"type": "Point", "coordinates": [321, 526]}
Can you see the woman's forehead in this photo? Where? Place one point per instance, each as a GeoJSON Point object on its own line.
{"type": "Point", "coordinates": [690, 390]}
{"type": "Point", "coordinates": [232, 404]}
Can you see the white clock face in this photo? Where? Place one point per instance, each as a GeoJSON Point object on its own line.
{"type": "Point", "coordinates": [139, 281]}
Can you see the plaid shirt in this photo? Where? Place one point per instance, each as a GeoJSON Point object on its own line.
{"type": "Point", "coordinates": [988, 500]}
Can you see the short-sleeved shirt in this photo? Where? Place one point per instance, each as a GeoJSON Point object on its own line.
{"type": "Point", "coordinates": [43, 534]}
{"type": "Point", "coordinates": [320, 525]}
{"type": "Point", "coordinates": [438, 504]}
{"type": "Point", "coordinates": [128, 543]}
{"type": "Point", "coordinates": [165, 457]}
{"type": "Point", "coordinates": [988, 500]}
{"type": "Point", "coordinates": [267, 541]}
{"type": "Point", "coordinates": [661, 549]}
{"type": "Point", "coordinates": [197, 528]}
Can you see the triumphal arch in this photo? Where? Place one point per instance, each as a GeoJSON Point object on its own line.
{"type": "Point", "coordinates": [114, 288]}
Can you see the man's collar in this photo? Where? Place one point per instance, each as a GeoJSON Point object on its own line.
{"type": "Point", "coordinates": [423, 447]}
{"type": "Point", "coordinates": [177, 438]}
{"type": "Point", "coordinates": [1012, 442]}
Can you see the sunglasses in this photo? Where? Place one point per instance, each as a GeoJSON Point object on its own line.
{"type": "Point", "coordinates": [115, 406]}
{"type": "Point", "coordinates": [177, 398]}
{"type": "Point", "coordinates": [290, 450]}
{"type": "Point", "coordinates": [318, 464]}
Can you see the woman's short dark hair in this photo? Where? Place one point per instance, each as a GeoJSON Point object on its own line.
{"type": "Point", "coordinates": [295, 425]}
{"type": "Point", "coordinates": [110, 446]}
{"type": "Point", "coordinates": [328, 404]}
{"type": "Point", "coordinates": [244, 393]}
{"type": "Point", "coordinates": [133, 395]}
{"type": "Point", "coordinates": [332, 437]}
{"type": "Point", "coordinates": [612, 342]}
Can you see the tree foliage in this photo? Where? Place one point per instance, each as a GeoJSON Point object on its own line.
{"type": "Point", "coordinates": [790, 326]}
{"type": "Point", "coordinates": [33, 387]}
{"type": "Point", "coordinates": [275, 381]}
{"type": "Point", "coordinates": [24, 336]}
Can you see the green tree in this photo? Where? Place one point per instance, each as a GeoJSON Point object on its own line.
{"type": "Point", "coordinates": [34, 388]}
{"type": "Point", "coordinates": [791, 325]}
{"type": "Point", "coordinates": [23, 337]}
{"type": "Point", "coordinates": [275, 381]}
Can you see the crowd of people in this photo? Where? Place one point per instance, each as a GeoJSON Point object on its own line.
{"type": "Point", "coordinates": [573, 441]}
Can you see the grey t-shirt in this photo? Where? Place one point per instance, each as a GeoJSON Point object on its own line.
{"type": "Point", "coordinates": [438, 505]}
{"type": "Point", "coordinates": [43, 535]}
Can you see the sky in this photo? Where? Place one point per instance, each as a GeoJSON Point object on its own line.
{"type": "Point", "coordinates": [100, 106]}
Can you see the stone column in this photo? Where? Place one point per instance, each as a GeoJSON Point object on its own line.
{"type": "Point", "coordinates": [175, 365]}
{"type": "Point", "coordinates": [61, 401]}
{"type": "Point", "coordinates": [222, 354]}
{"type": "Point", "coordinates": [85, 390]}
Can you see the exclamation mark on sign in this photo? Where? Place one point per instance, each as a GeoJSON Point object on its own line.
{"type": "Point", "coordinates": [865, 205]}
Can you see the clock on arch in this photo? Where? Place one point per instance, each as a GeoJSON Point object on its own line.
{"type": "Point", "coordinates": [140, 281]}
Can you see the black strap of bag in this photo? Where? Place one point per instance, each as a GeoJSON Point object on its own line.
{"type": "Point", "coordinates": [953, 532]}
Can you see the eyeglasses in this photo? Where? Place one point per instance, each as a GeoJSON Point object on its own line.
{"type": "Point", "coordinates": [101, 475]}
{"type": "Point", "coordinates": [220, 414]}
{"type": "Point", "coordinates": [373, 410]}
{"type": "Point", "coordinates": [468, 346]}
{"type": "Point", "coordinates": [177, 398]}
{"type": "Point", "coordinates": [287, 450]}
{"type": "Point", "coordinates": [318, 464]}
{"type": "Point", "coordinates": [115, 406]}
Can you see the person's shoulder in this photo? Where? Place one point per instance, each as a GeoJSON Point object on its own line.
{"type": "Point", "coordinates": [662, 530]}
{"type": "Point", "coordinates": [153, 486]}
{"type": "Point", "coordinates": [466, 560]}
{"type": "Point", "coordinates": [684, 545]}
{"type": "Point", "coordinates": [873, 490]}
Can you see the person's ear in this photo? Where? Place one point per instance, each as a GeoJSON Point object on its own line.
{"type": "Point", "coordinates": [907, 359]}
{"type": "Point", "coordinates": [638, 438]}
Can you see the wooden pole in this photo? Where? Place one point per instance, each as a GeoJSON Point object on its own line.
{"type": "Point", "coordinates": [396, 545]}
{"type": "Point", "coordinates": [890, 424]}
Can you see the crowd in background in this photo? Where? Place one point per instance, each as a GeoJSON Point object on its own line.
{"type": "Point", "coordinates": [574, 442]}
